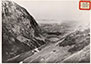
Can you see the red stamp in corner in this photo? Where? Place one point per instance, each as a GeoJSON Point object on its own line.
{"type": "Point", "coordinates": [84, 5]}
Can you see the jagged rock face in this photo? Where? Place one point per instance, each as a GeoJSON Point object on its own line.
{"type": "Point", "coordinates": [20, 32]}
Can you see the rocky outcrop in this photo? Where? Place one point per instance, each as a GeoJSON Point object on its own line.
{"type": "Point", "coordinates": [20, 32]}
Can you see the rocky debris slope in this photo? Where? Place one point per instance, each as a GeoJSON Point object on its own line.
{"type": "Point", "coordinates": [82, 56]}
{"type": "Point", "coordinates": [20, 32]}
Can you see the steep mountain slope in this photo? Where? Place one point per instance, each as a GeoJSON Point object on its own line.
{"type": "Point", "coordinates": [20, 32]}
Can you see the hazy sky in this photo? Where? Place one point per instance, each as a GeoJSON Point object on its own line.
{"type": "Point", "coordinates": [55, 10]}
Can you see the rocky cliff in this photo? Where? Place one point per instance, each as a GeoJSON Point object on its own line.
{"type": "Point", "coordinates": [20, 32]}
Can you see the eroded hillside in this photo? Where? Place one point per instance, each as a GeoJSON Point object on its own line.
{"type": "Point", "coordinates": [21, 33]}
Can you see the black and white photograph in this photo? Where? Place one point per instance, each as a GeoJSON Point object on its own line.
{"type": "Point", "coordinates": [45, 31]}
